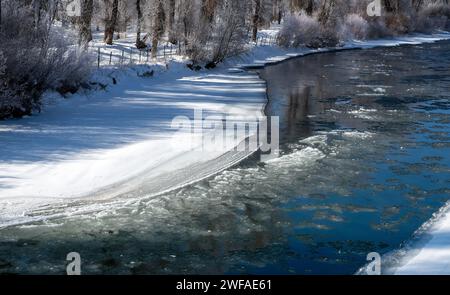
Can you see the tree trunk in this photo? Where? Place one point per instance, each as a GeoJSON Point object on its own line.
{"type": "Point", "coordinates": [326, 10]}
{"type": "Point", "coordinates": [209, 10]}
{"type": "Point", "coordinates": [155, 42]}
{"type": "Point", "coordinates": [276, 11]}
{"type": "Point", "coordinates": [139, 43]}
{"type": "Point", "coordinates": [158, 27]}
{"type": "Point", "coordinates": [171, 22]}
{"type": "Point", "coordinates": [87, 7]}
{"type": "Point", "coordinates": [37, 6]}
{"type": "Point", "coordinates": [309, 7]}
{"type": "Point", "coordinates": [256, 18]}
{"type": "Point", "coordinates": [111, 22]}
{"type": "Point", "coordinates": [392, 6]}
{"type": "Point", "coordinates": [417, 4]}
{"type": "Point", "coordinates": [306, 5]}
{"type": "Point", "coordinates": [185, 30]}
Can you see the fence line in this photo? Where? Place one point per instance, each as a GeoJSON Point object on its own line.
{"type": "Point", "coordinates": [166, 52]}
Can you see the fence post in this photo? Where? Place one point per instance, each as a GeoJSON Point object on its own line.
{"type": "Point", "coordinates": [164, 51]}
{"type": "Point", "coordinates": [123, 56]}
{"type": "Point", "coordinates": [148, 53]}
{"type": "Point", "coordinates": [131, 56]}
{"type": "Point", "coordinates": [110, 58]}
{"type": "Point", "coordinates": [98, 58]}
{"type": "Point", "coordinates": [140, 54]}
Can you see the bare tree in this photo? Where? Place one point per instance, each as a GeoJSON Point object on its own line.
{"type": "Point", "coordinates": [277, 12]}
{"type": "Point", "coordinates": [326, 10]}
{"type": "Point", "coordinates": [186, 22]}
{"type": "Point", "coordinates": [256, 19]}
{"type": "Point", "coordinates": [111, 20]}
{"type": "Point", "coordinates": [37, 8]}
{"type": "Point", "coordinates": [306, 5]}
{"type": "Point", "coordinates": [417, 4]}
{"type": "Point", "coordinates": [171, 22]}
{"type": "Point", "coordinates": [34, 58]}
{"type": "Point", "coordinates": [85, 33]}
{"type": "Point", "coordinates": [158, 26]}
{"type": "Point", "coordinates": [139, 43]}
{"type": "Point", "coordinates": [392, 5]}
{"type": "Point", "coordinates": [208, 10]}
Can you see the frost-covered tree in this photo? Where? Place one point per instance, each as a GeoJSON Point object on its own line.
{"type": "Point", "coordinates": [158, 26]}
{"type": "Point", "coordinates": [87, 10]}
{"type": "Point", "coordinates": [306, 5]}
{"type": "Point", "coordinates": [171, 14]}
{"type": "Point", "coordinates": [209, 10]}
{"type": "Point", "coordinates": [326, 11]}
{"type": "Point", "coordinates": [37, 36]}
{"type": "Point", "coordinates": [35, 56]}
{"type": "Point", "coordinates": [111, 15]}
{"type": "Point", "coordinates": [256, 19]}
{"type": "Point", "coordinates": [140, 44]}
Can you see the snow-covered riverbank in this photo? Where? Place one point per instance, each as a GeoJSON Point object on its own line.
{"type": "Point", "coordinates": [119, 142]}
{"type": "Point", "coordinates": [430, 255]}
{"type": "Point", "coordinates": [85, 144]}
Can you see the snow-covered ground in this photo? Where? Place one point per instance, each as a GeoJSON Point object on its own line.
{"type": "Point", "coordinates": [427, 252]}
{"type": "Point", "coordinates": [119, 142]}
{"type": "Point", "coordinates": [429, 255]}
{"type": "Point", "coordinates": [115, 137]}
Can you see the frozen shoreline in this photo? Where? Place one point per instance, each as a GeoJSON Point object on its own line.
{"type": "Point", "coordinates": [427, 252]}
{"type": "Point", "coordinates": [106, 146]}
{"type": "Point", "coordinates": [96, 148]}
{"type": "Point", "coordinates": [430, 253]}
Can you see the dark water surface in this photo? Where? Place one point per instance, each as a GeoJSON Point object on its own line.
{"type": "Point", "coordinates": [365, 141]}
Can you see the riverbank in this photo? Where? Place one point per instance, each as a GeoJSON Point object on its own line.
{"type": "Point", "coordinates": [111, 143]}
{"type": "Point", "coordinates": [91, 148]}
{"type": "Point", "coordinates": [428, 251]}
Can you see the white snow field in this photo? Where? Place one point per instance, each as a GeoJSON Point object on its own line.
{"type": "Point", "coordinates": [118, 143]}
{"type": "Point", "coordinates": [431, 255]}
{"type": "Point", "coordinates": [121, 137]}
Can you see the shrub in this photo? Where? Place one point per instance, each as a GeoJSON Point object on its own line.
{"type": "Point", "coordinates": [434, 17]}
{"type": "Point", "coordinates": [223, 37]}
{"type": "Point", "coordinates": [35, 57]}
{"type": "Point", "coordinates": [377, 29]}
{"type": "Point", "coordinates": [398, 24]}
{"type": "Point", "coordinates": [354, 27]}
{"type": "Point", "coordinates": [299, 29]}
